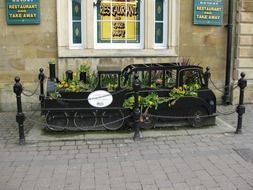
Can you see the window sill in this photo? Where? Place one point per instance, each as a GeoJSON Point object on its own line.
{"type": "Point", "coordinates": [69, 53]}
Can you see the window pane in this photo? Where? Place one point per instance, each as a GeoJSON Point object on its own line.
{"type": "Point", "coordinates": [76, 22]}
{"type": "Point", "coordinates": [170, 78]}
{"type": "Point", "coordinates": [158, 32]}
{"type": "Point", "coordinates": [77, 33]}
{"type": "Point", "coordinates": [76, 10]}
{"type": "Point", "coordinates": [191, 77]}
{"type": "Point", "coordinates": [159, 10]}
{"type": "Point", "coordinates": [122, 19]}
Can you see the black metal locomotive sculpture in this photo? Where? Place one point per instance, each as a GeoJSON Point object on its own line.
{"type": "Point", "coordinates": [169, 92]}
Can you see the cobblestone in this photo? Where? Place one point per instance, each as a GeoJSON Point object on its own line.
{"type": "Point", "coordinates": [204, 161]}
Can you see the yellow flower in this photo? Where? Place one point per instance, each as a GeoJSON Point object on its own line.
{"type": "Point", "coordinates": [60, 85]}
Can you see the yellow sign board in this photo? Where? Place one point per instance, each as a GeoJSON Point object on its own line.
{"type": "Point", "coordinates": [118, 20]}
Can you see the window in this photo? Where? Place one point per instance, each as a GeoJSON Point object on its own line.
{"type": "Point", "coordinates": [191, 76]}
{"type": "Point", "coordinates": [76, 37]}
{"type": "Point", "coordinates": [87, 28]}
{"type": "Point", "coordinates": [160, 23]}
{"type": "Point", "coordinates": [119, 24]}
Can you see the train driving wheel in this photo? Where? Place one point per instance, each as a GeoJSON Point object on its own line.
{"type": "Point", "coordinates": [57, 121]}
{"type": "Point", "coordinates": [112, 119]}
{"type": "Point", "coordinates": [85, 120]}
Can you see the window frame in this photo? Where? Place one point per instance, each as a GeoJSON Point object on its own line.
{"type": "Point", "coordinates": [166, 23]}
{"type": "Point", "coordinates": [73, 45]}
{"type": "Point", "coordinates": [88, 49]}
{"type": "Point", "coordinates": [120, 45]}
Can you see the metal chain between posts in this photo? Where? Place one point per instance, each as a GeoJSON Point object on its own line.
{"type": "Point", "coordinates": [32, 93]}
{"type": "Point", "coordinates": [29, 118]}
{"type": "Point", "coordinates": [20, 117]}
{"type": "Point", "coordinates": [221, 91]}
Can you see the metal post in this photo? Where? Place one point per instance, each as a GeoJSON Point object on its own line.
{"type": "Point", "coordinates": [41, 78]}
{"type": "Point", "coordinates": [20, 117]}
{"type": "Point", "coordinates": [52, 71]}
{"type": "Point", "coordinates": [137, 112]}
{"type": "Point", "coordinates": [242, 83]}
{"type": "Point", "coordinates": [207, 76]}
{"type": "Point", "coordinates": [226, 96]}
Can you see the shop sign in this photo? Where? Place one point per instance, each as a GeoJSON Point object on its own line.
{"type": "Point", "coordinates": [208, 12]}
{"type": "Point", "coordinates": [23, 11]}
{"type": "Point", "coordinates": [118, 20]}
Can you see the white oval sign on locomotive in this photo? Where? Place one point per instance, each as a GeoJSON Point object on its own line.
{"type": "Point", "coordinates": [100, 98]}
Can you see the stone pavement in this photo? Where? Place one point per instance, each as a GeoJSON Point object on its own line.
{"type": "Point", "coordinates": [191, 161]}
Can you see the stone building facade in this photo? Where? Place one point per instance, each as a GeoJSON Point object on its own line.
{"type": "Point", "coordinates": [26, 48]}
{"type": "Point", "coordinates": [244, 46]}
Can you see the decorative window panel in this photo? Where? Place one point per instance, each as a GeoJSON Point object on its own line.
{"type": "Point", "coordinates": [118, 21]}
{"type": "Point", "coordinates": [77, 22]}
{"type": "Point", "coordinates": [160, 22]}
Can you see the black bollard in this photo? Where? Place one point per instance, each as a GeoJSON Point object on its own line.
{"type": "Point", "coordinates": [41, 78]}
{"type": "Point", "coordinates": [52, 71]}
{"type": "Point", "coordinates": [69, 75]}
{"type": "Point", "coordinates": [207, 76]}
{"type": "Point", "coordinates": [20, 117]}
{"type": "Point", "coordinates": [137, 112]}
{"type": "Point", "coordinates": [242, 83]}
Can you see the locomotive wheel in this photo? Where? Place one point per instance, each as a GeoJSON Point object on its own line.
{"type": "Point", "coordinates": [110, 119]}
{"type": "Point", "coordinates": [196, 118]}
{"type": "Point", "coordinates": [85, 120]}
{"type": "Point", "coordinates": [148, 122]}
{"type": "Point", "coordinates": [57, 121]}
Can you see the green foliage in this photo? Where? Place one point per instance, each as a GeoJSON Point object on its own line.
{"type": "Point", "coordinates": [54, 95]}
{"type": "Point", "coordinates": [52, 61]}
{"type": "Point", "coordinates": [84, 68]}
{"type": "Point", "coordinates": [92, 81]}
{"type": "Point", "coordinates": [76, 85]}
{"type": "Point", "coordinates": [129, 103]}
{"type": "Point", "coordinates": [153, 100]}
{"type": "Point", "coordinates": [110, 81]}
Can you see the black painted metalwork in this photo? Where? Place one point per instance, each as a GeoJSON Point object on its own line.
{"type": "Point", "coordinates": [20, 117]}
{"type": "Point", "coordinates": [41, 79]}
{"type": "Point", "coordinates": [83, 76]}
{"type": "Point", "coordinates": [73, 111]}
{"type": "Point", "coordinates": [226, 97]}
{"type": "Point", "coordinates": [242, 83]}
{"type": "Point", "coordinates": [207, 76]}
{"type": "Point", "coordinates": [69, 75]}
{"type": "Point", "coordinates": [52, 71]}
{"type": "Point", "coordinates": [136, 111]}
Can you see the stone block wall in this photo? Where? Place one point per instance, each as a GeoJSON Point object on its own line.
{"type": "Point", "coordinates": [26, 48]}
{"type": "Point", "coordinates": [244, 47]}
{"type": "Point", "coordinates": [204, 45]}
{"type": "Point", "coordinates": [23, 50]}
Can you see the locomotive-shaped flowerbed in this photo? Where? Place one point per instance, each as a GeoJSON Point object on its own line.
{"type": "Point", "coordinates": [169, 92]}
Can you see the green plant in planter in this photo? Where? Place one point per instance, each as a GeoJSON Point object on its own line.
{"type": "Point", "coordinates": [54, 95]}
{"type": "Point", "coordinates": [147, 102]}
{"type": "Point", "coordinates": [92, 80]}
{"type": "Point", "coordinates": [52, 62]}
{"type": "Point", "coordinates": [84, 68]}
{"type": "Point", "coordinates": [182, 91]}
{"type": "Point", "coordinates": [83, 72]}
{"type": "Point", "coordinates": [153, 100]}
